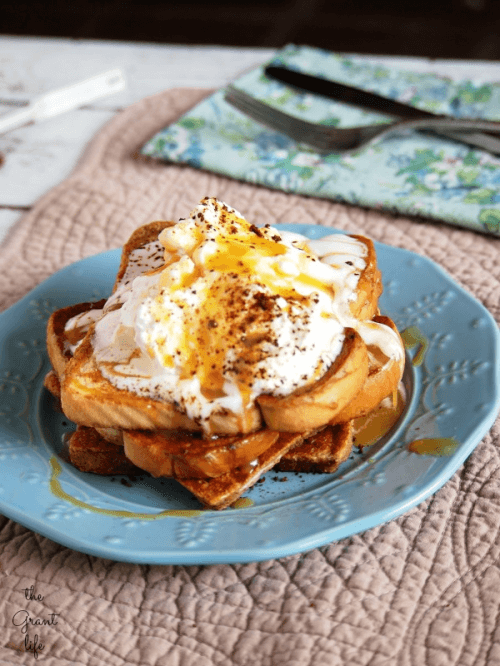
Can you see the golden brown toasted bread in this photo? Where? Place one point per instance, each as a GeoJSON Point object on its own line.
{"type": "Point", "coordinates": [185, 455]}
{"type": "Point", "coordinates": [322, 452]}
{"type": "Point", "coordinates": [89, 399]}
{"type": "Point", "coordinates": [89, 452]}
{"type": "Point", "coordinates": [222, 491]}
{"type": "Point", "coordinates": [59, 341]}
{"type": "Point", "coordinates": [369, 287]}
{"type": "Point", "coordinates": [384, 376]}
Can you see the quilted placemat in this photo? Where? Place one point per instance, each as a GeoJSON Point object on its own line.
{"type": "Point", "coordinates": [420, 590]}
{"type": "Point", "coordinates": [416, 173]}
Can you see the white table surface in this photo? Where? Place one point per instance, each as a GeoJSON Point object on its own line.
{"type": "Point", "coordinates": [39, 156]}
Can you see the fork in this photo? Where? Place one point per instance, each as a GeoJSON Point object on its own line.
{"type": "Point", "coordinates": [327, 139]}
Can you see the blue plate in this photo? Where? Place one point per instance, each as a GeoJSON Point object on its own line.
{"type": "Point", "coordinates": [452, 377]}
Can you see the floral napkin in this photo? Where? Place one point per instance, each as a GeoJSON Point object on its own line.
{"type": "Point", "coordinates": [415, 173]}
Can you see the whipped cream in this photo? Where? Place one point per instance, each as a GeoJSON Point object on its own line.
{"type": "Point", "coordinates": [142, 259]}
{"type": "Point", "coordinates": [230, 311]}
{"type": "Point", "coordinates": [77, 327]}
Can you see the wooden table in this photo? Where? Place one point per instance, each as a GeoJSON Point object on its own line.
{"type": "Point", "coordinates": [37, 157]}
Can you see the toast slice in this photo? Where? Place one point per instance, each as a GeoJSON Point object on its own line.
{"type": "Point", "coordinates": [384, 377]}
{"type": "Point", "coordinates": [183, 455]}
{"type": "Point", "coordinates": [320, 453]}
{"type": "Point", "coordinates": [90, 452]}
{"type": "Point", "coordinates": [88, 398]}
{"type": "Point", "coordinates": [224, 490]}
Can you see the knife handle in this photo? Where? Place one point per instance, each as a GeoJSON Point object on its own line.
{"type": "Point", "coordinates": [346, 94]}
{"type": "Point", "coordinates": [16, 119]}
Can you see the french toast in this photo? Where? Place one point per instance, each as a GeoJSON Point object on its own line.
{"type": "Point", "coordinates": [185, 455]}
{"type": "Point", "coordinates": [317, 404]}
{"type": "Point", "coordinates": [222, 491]}
{"type": "Point", "coordinates": [219, 455]}
{"type": "Point", "coordinates": [322, 452]}
{"type": "Point", "coordinates": [89, 399]}
{"type": "Point", "coordinates": [101, 450]}
{"type": "Point", "coordinates": [90, 452]}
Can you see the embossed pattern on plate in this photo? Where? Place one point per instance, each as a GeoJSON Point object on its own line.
{"type": "Point", "coordinates": [453, 375]}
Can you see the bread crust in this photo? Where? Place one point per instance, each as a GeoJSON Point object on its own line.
{"type": "Point", "coordinates": [321, 453]}
{"type": "Point", "coordinates": [59, 353]}
{"type": "Point", "coordinates": [318, 404]}
{"type": "Point", "coordinates": [89, 452]}
{"type": "Point", "coordinates": [382, 381]}
{"type": "Point", "coordinates": [53, 385]}
{"type": "Point", "coordinates": [143, 235]}
{"type": "Point", "coordinates": [369, 287]}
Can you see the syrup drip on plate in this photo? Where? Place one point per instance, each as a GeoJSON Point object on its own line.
{"type": "Point", "coordinates": [414, 338]}
{"type": "Point", "coordinates": [434, 446]}
{"type": "Point", "coordinates": [57, 490]}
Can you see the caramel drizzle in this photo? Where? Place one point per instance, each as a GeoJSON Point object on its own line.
{"type": "Point", "coordinates": [57, 490]}
{"type": "Point", "coordinates": [414, 338]}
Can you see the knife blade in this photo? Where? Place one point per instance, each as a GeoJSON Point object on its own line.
{"type": "Point", "coordinates": [368, 100]}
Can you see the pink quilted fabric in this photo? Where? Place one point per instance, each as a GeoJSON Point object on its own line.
{"type": "Point", "coordinates": [423, 590]}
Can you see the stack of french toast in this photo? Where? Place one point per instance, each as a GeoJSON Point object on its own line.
{"type": "Point", "coordinates": [184, 373]}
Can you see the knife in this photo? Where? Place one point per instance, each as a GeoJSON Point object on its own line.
{"type": "Point", "coordinates": [64, 99]}
{"type": "Point", "coordinates": [374, 102]}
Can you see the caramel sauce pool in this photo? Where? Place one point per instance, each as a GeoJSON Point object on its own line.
{"type": "Point", "coordinates": [434, 446]}
{"type": "Point", "coordinates": [369, 429]}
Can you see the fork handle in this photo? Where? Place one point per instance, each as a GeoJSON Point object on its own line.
{"type": "Point", "coordinates": [483, 140]}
